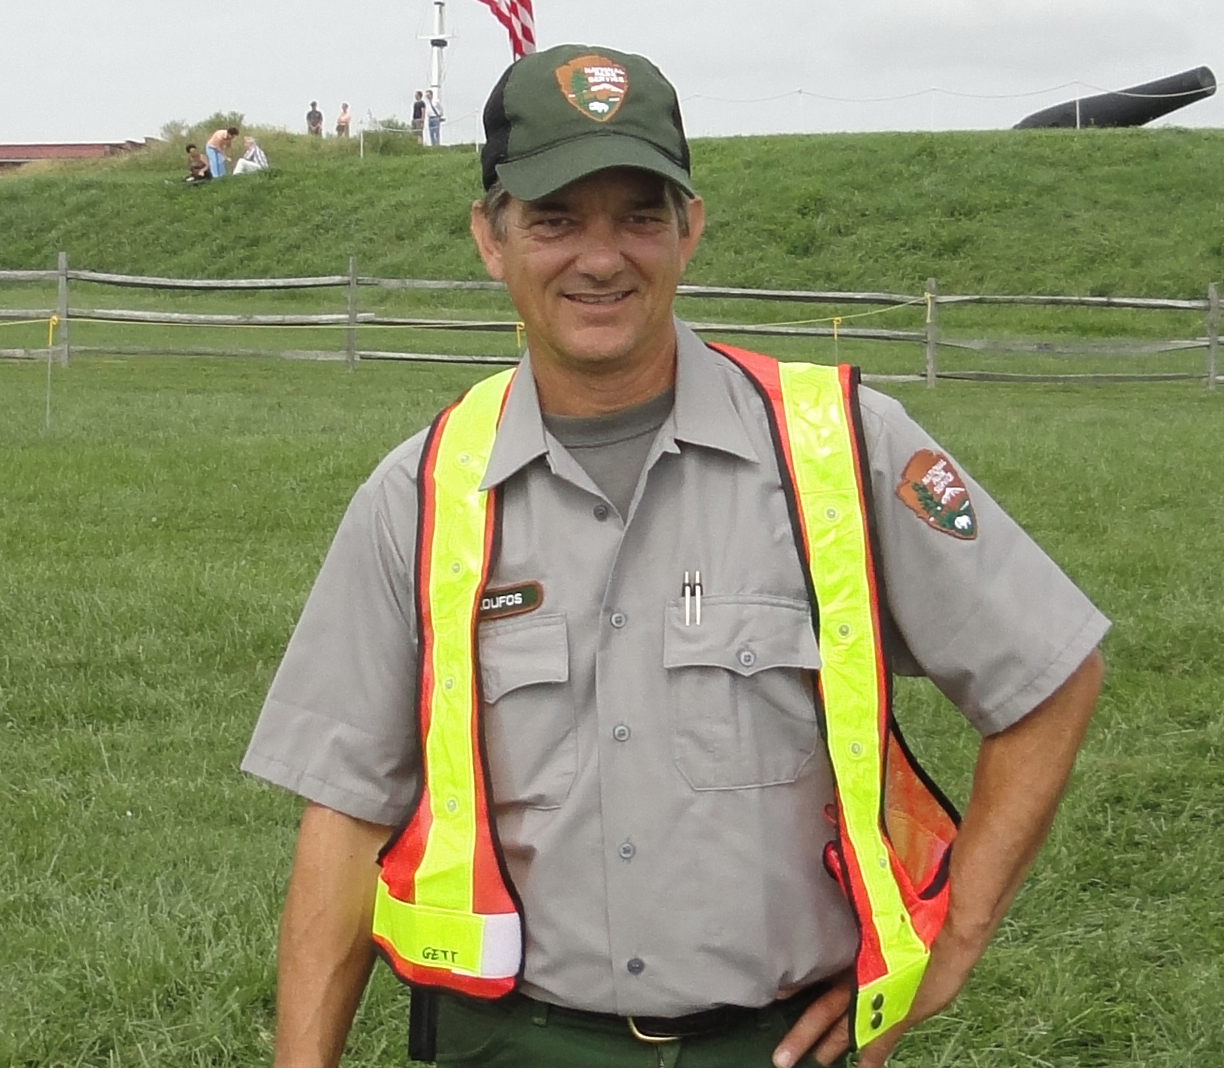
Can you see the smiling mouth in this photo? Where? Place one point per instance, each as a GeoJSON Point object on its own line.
{"type": "Point", "coordinates": [599, 299]}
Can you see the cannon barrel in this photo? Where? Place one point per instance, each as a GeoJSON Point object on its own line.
{"type": "Point", "coordinates": [1127, 107]}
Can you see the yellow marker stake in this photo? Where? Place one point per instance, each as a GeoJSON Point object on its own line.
{"type": "Point", "coordinates": [52, 323]}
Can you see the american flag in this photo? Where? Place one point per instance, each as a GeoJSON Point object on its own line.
{"type": "Point", "coordinates": [517, 17]}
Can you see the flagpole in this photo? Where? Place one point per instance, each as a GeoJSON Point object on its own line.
{"type": "Point", "coordinates": [438, 41]}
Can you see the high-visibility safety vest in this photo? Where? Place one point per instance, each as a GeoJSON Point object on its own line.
{"type": "Point", "coordinates": [446, 914]}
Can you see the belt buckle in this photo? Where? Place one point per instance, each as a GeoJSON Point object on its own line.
{"type": "Point", "coordinates": [654, 1040]}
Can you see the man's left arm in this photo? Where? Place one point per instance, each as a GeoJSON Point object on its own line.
{"type": "Point", "coordinates": [1019, 778]}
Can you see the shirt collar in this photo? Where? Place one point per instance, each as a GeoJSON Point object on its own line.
{"type": "Point", "coordinates": [520, 434]}
{"type": "Point", "coordinates": [705, 413]}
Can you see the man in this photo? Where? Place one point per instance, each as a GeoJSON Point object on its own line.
{"type": "Point", "coordinates": [609, 645]}
{"type": "Point", "coordinates": [217, 147]}
{"type": "Point", "coordinates": [418, 116]}
{"type": "Point", "coordinates": [314, 120]}
{"type": "Point", "coordinates": [253, 158]}
{"type": "Point", "coordinates": [433, 113]}
{"type": "Point", "coordinates": [343, 120]}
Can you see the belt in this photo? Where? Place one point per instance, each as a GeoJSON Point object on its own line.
{"type": "Point", "coordinates": [715, 1021]}
{"type": "Point", "coordinates": [668, 1028]}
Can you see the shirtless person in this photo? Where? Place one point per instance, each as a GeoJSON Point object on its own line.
{"type": "Point", "coordinates": [218, 147]}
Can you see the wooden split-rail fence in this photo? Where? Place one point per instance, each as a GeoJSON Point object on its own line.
{"type": "Point", "coordinates": [931, 302]}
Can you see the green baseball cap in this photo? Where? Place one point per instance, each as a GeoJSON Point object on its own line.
{"type": "Point", "coordinates": [559, 115]}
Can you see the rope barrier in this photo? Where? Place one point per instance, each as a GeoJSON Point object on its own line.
{"type": "Point", "coordinates": [837, 320]}
{"type": "Point", "coordinates": [894, 98]}
{"type": "Point", "coordinates": [30, 322]}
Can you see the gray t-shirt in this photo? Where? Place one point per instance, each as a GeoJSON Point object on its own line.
{"type": "Point", "coordinates": [659, 789]}
{"type": "Point", "coordinates": [612, 448]}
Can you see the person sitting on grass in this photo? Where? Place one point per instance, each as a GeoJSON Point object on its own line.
{"type": "Point", "coordinates": [253, 158]}
{"type": "Point", "coordinates": [197, 166]}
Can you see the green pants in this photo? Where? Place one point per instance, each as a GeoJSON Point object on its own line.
{"type": "Point", "coordinates": [520, 1033]}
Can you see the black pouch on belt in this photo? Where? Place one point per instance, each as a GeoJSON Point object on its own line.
{"type": "Point", "coordinates": [423, 1025]}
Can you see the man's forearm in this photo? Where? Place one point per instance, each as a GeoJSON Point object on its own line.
{"type": "Point", "coordinates": [325, 952]}
{"type": "Point", "coordinates": [1019, 779]}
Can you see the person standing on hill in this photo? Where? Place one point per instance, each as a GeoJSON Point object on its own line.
{"type": "Point", "coordinates": [314, 120]}
{"type": "Point", "coordinates": [433, 113]}
{"type": "Point", "coordinates": [343, 121]}
{"type": "Point", "coordinates": [591, 699]}
{"type": "Point", "coordinates": [418, 116]}
{"type": "Point", "coordinates": [217, 147]}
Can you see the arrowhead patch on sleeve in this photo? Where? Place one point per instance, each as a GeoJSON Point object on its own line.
{"type": "Point", "coordinates": [934, 491]}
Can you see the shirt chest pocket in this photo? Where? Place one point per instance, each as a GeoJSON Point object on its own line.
{"type": "Point", "coordinates": [741, 691]}
{"type": "Point", "coordinates": [529, 724]}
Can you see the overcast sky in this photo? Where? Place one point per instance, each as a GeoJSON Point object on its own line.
{"type": "Point", "coordinates": [85, 70]}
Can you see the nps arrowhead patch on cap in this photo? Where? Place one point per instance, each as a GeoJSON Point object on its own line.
{"type": "Point", "coordinates": [934, 491]}
{"type": "Point", "coordinates": [595, 85]}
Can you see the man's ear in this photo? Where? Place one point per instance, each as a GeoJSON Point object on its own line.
{"type": "Point", "coordinates": [696, 219]}
{"type": "Point", "coordinates": [487, 245]}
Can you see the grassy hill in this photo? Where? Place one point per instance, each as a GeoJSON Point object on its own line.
{"type": "Point", "coordinates": [1134, 212]}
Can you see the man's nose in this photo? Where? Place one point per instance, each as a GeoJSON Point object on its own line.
{"type": "Point", "coordinates": [600, 255]}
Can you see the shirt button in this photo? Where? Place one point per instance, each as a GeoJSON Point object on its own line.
{"type": "Point", "coordinates": [600, 511]}
{"type": "Point", "coordinates": [747, 657]}
{"type": "Point", "coordinates": [621, 732]}
{"type": "Point", "coordinates": [626, 850]}
{"type": "Point", "coordinates": [618, 620]}
{"type": "Point", "coordinates": [636, 966]}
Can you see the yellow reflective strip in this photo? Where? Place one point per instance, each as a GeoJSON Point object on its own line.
{"type": "Point", "coordinates": [434, 938]}
{"type": "Point", "coordinates": [895, 992]}
{"type": "Point", "coordinates": [822, 451]}
{"type": "Point", "coordinates": [456, 565]}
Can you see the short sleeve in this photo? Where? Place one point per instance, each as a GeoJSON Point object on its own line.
{"type": "Point", "coordinates": [338, 725]}
{"type": "Point", "coordinates": [985, 614]}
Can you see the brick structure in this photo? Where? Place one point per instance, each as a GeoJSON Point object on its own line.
{"type": "Point", "coordinates": [15, 155]}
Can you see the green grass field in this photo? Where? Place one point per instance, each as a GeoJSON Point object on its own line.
{"type": "Point", "coordinates": [159, 541]}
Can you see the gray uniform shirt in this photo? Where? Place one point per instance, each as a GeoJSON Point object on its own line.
{"type": "Point", "coordinates": [658, 788]}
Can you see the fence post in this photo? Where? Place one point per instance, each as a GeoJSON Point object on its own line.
{"type": "Point", "coordinates": [351, 353]}
{"type": "Point", "coordinates": [932, 330]}
{"type": "Point", "coordinates": [1213, 332]}
{"type": "Point", "coordinates": [62, 310]}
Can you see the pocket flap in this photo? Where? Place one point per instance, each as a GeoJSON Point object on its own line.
{"type": "Point", "coordinates": [741, 634]}
{"type": "Point", "coordinates": [522, 652]}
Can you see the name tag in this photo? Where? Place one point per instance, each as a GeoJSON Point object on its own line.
{"type": "Point", "coordinates": [511, 601]}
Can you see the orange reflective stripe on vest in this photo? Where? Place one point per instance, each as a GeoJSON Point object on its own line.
{"type": "Point", "coordinates": [444, 911]}
{"type": "Point", "coordinates": [446, 914]}
{"type": "Point", "coordinates": [890, 858]}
